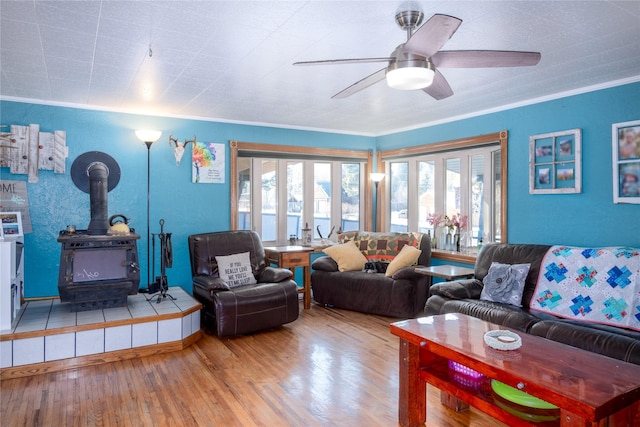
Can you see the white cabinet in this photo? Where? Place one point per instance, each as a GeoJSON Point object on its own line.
{"type": "Point", "coordinates": [11, 281]}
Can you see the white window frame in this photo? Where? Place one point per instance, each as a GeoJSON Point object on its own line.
{"type": "Point", "coordinates": [438, 152]}
{"type": "Point", "coordinates": [308, 191]}
{"type": "Point", "coordinates": [308, 156]}
{"type": "Point", "coordinates": [439, 182]}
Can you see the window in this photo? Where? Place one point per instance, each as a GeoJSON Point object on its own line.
{"type": "Point", "coordinates": [454, 177]}
{"type": "Point", "coordinates": [295, 197]}
{"type": "Point", "coordinates": [324, 189]}
{"type": "Point", "coordinates": [321, 198]}
{"type": "Point", "coordinates": [399, 180]}
{"type": "Point", "coordinates": [426, 192]}
{"type": "Point", "coordinates": [269, 197]}
{"type": "Point", "coordinates": [351, 196]}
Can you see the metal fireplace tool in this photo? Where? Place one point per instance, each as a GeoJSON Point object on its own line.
{"type": "Point", "coordinates": [161, 285]}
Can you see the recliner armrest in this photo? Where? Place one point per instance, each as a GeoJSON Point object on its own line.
{"type": "Point", "coordinates": [325, 263]}
{"type": "Point", "coordinates": [211, 283]}
{"type": "Point", "coordinates": [461, 289]}
{"type": "Point", "coordinates": [408, 273]}
{"type": "Point", "coordinates": [274, 275]}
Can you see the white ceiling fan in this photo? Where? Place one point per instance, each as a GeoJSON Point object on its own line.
{"type": "Point", "coordinates": [414, 64]}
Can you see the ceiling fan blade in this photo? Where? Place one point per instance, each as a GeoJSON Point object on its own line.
{"type": "Point", "coordinates": [440, 88]}
{"type": "Point", "coordinates": [344, 61]}
{"type": "Point", "coordinates": [484, 58]}
{"type": "Point", "coordinates": [432, 35]}
{"type": "Point", "coordinates": [362, 84]}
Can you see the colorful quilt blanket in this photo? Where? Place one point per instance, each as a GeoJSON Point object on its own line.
{"type": "Point", "coordinates": [378, 246]}
{"type": "Point", "coordinates": [600, 285]}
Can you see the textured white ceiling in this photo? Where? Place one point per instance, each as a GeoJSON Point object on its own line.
{"type": "Point", "coordinates": [232, 60]}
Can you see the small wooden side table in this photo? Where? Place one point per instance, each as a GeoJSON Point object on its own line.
{"type": "Point", "coordinates": [447, 272]}
{"type": "Point", "coordinates": [291, 257]}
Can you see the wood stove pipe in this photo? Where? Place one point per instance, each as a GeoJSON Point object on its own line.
{"type": "Point", "coordinates": [96, 173]}
{"type": "Point", "coordinates": [98, 179]}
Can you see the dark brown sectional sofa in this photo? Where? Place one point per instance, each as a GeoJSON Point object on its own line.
{"type": "Point", "coordinates": [463, 296]}
{"type": "Point", "coordinates": [402, 296]}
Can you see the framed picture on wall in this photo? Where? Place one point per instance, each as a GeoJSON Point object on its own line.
{"type": "Point", "coordinates": [11, 224]}
{"type": "Point", "coordinates": [626, 162]}
{"type": "Point", "coordinates": [555, 162]}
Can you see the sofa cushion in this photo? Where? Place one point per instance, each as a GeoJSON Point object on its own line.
{"type": "Point", "coordinates": [204, 247]}
{"type": "Point", "coordinates": [324, 263]}
{"type": "Point", "coordinates": [210, 284]}
{"type": "Point", "coordinates": [251, 308]}
{"type": "Point", "coordinates": [235, 269]}
{"type": "Point", "coordinates": [460, 289]}
{"type": "Point", "coordinates": [274, 275]}
{"type": "Point", "coordinates": [408, 256]}
{"type": "Point", "coordinates": [347, 255]}
{"type": "Point", "coordinates": [505, 283]}
{"type": "Point", "coordinates": [494, 312]}
{"type": "Point", "coordinates": [607, 340]}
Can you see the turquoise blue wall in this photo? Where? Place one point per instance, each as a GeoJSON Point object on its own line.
{"type": "Point", "coordinates": [186, 208]}
{"type": "Point", "coordinates": [589, 218]}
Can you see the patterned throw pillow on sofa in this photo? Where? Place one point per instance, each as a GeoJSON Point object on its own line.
{"type": "Point", "coordinates": [504, 283]}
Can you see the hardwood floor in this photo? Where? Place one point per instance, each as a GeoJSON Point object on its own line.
{"type": "Point", "coordinates": [328, 368]}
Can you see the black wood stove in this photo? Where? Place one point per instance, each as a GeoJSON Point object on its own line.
{"type": "Point", "coordinates": [98, 269]}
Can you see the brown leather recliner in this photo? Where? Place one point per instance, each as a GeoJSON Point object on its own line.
{"type": "Point", "coordinates": [243, 309]}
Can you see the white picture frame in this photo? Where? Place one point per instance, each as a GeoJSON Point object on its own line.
{"type": "Point", "coordinates": [11, 225]}
{"type": "Point", "coordinates": [555, 162]}
{"type": "Point", "coordinates": [625, 150]}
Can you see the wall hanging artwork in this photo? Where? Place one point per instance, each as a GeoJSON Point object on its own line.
{"type": "Point", "coordinates": [11, 225]}
{"type": "Point", "coordinates": [25, 150]}
{"type": "Point", "coordinates": [179, 147]}
{"type": "Point", "coordinates": [555, 162]}
{"type": "Point", "coordinates": [13, 197]}
{"type": "Point", "coordinates": [626, 162]}
{"type": "Point", "coordinates": [208, 164]}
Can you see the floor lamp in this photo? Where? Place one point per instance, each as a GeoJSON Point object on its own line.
{"type": "Point", "coordinates": [148, 137]}
{"type": "Point", "coordinates": [376, 178]}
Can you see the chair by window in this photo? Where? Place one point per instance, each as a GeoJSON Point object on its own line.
{"type": "Point", "coordinates": [229, 306]}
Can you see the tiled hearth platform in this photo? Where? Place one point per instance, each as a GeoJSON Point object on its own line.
{"type": "Point", "coordinates": [49, 337]}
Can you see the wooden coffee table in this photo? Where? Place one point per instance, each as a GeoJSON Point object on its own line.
{"type": "Point", "coordinates": [587, 387]}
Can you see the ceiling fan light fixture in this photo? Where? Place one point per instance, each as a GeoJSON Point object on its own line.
{"type": "Point", "coordinates": [411, 76]}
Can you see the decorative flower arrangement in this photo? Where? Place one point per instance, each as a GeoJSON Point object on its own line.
{"type": "Point", "coordinates": [448, 241]}
{"type": "Point", "coordinates": [456, 221]}
{"type": "Point", "coordinates": [436, 219]}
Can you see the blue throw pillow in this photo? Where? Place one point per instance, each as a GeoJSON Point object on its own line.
{"type": "Point", "coordinates": [504, 283]}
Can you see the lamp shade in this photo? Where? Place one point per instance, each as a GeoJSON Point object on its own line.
{"type": "Point", "coordinates": [376, 176]}
{"type": "Point", "coordinates": [410, 78]}
{"type": "Point", "coordinates": [148, 135]}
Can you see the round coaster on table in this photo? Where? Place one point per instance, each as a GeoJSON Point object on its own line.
{"type": "Point", "coordinates": [503, 340]}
